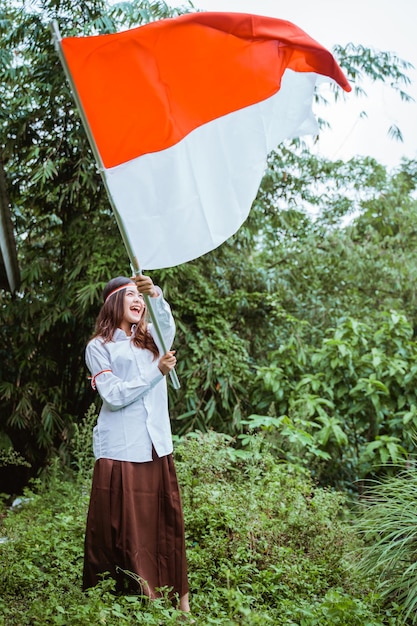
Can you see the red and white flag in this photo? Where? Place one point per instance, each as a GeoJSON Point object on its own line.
{"type": "Point", "coordinates": [184, 112]}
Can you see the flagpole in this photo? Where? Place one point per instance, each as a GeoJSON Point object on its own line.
{"type": "Point", "coordinates": [56, 39]}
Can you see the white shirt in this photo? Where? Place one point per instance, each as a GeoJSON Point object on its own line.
{"type": "Point", "coordinates": [134, 415]}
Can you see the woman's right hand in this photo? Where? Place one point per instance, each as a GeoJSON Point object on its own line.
{"type": "Point", "coordinates": [167, 362]}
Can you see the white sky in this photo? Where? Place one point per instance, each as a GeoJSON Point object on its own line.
{"type": "Point", "coordinates": [388, 25]}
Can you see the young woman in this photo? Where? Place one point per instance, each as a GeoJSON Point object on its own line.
{"type": "Point", "coordinates": [135, 528]}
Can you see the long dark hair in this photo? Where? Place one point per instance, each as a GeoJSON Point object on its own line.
{"type": "Point", "coordinates": [111, 315]}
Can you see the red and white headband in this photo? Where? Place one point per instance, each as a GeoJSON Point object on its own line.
{"type": "Point", "coordinates": [119, 289]}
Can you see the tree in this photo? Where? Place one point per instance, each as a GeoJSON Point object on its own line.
{"type": "Point", "coordinates": [9, 270]}
{"type": "Point", "coordinates": [338, 387]}
{"type": "Point", "coordinates": [356, 254]}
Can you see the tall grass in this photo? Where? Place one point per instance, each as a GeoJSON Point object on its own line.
{"type": "Point", "coordinates": [388, 525]}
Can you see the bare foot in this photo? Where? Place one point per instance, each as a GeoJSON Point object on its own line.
{"type": "Point", "coordinates": [184, 603]}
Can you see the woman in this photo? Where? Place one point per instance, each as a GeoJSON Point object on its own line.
{"type": "Point", "coordinates": [135, 528]}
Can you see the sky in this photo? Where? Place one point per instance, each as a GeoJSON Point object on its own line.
{"type": "Point", "coordinates": [387, 25]}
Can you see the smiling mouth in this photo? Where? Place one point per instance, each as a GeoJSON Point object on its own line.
{"type": "Point", "coordinates": [135, 309]}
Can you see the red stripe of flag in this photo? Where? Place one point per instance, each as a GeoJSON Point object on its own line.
{"type": "Point", "coordinates": [145, 89]}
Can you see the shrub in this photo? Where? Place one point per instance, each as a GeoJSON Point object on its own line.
{"type": "Point", "coordinates": [345, 408]}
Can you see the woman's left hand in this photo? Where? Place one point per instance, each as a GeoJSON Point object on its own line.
{"type": "Point", "coordinates": [145, 285]}
{"type": "Point", "coordinates": [167, 362]}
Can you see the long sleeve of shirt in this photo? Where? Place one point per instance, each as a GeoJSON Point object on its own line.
{"type": "Point", "coordinates": [115, 390]}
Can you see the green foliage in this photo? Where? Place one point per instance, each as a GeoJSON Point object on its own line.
{"type": "Point", "coordinates": [213, 357]}
{"type": "Point", "coordinates": [81, 447]}
{"type": "Point", "coordinates": [265, 546]}
{"type": "Point", "coordinates": [358, 60]}
{"type": "Point", "coordinates": [355, 255]}
{"type": "Point", "coordinates": [11, 457]}
{"type": "Point", "coordinates": [346, 406]}
{"type": "Point", "coordinates": [388, 525]}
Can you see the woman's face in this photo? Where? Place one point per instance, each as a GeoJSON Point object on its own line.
{"type": "Point", "coordinates": [133, 308]}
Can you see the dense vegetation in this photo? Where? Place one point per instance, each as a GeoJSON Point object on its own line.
{"type": "Point", "coordinates": [297, 337]}
{"type": "Point", "coordinates": [265, 546]}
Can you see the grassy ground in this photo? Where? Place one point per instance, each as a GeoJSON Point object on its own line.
{"type": "Point", "coordinates": [265, 546]}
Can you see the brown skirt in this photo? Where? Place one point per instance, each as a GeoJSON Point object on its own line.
{"type": "Point", "coordinates": [135, 527]}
